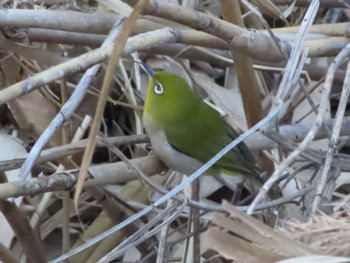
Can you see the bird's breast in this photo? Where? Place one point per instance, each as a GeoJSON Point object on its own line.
{"type": "Point", "coordinates": [168, 154]}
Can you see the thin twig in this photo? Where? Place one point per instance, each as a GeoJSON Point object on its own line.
{"type": "Point", "coordinates": [145, 231]}
{"type": "Point", "coordinates": [294, 132]}
{"type": "Point", "coordinates": [280, 201]}
{"type": "Point", "coordinates": [196, 249]}
{"type": "Point", "coordinates": [163, 239]}
{"type": "Point", "coordinates": [72, 148]}
{"type": "Point", "coordinates": [254, 43]}
{"type": "Point", "coordinates": [25, 234]}
{"type": "Point", "coordinates": [333, 141]}
{"type": "Point", "coordinates": [282, 94]}
{"type": "Point", "coordinates": [68, 108]}
{"type": "Point", "coordinates": [342, 56]}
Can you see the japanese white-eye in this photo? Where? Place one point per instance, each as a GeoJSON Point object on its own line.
{"type": "Point", "coordinates": [185, 132]}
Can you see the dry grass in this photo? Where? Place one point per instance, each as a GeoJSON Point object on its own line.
{"type": "Point", "coordinates": [277, 70]}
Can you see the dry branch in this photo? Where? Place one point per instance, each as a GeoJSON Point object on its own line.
{"type": "Point", "coordinates": [111, 173]}
{"type": "Point", "coordinates": [323, 3]}
{"type": "Point", "coordinates": [254, 43]}
{"type": "Point", "coordinates": [37, 45]}
{"type": "Point", "coordinates": [25, 234]}
{"type": "Point", "coordinates": [257, 142]}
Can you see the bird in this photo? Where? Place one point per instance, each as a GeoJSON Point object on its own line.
{"type": "Point", "coordinates": [185, 132]}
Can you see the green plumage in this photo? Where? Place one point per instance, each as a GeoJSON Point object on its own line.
{"type": "Point", "coordinates": [194, 128]}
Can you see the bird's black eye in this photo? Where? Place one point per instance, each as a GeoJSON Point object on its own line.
{"type": "Point", "coordinates": [158, 89]}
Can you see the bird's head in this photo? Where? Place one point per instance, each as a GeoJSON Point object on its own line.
{"type": "Point", "coordinates": [169, 97]}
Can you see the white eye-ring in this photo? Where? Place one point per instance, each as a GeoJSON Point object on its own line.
{"type": "Point", "coordinates": [158, 89]}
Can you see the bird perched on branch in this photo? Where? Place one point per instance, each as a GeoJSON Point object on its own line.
{"type": "Point", "coordinates": [185, 132]}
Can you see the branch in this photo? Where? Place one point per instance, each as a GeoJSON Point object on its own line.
{"type": "Point", "coordinates": [256, 44]}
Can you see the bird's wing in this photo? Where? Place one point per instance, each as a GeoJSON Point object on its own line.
{"type": "Point", "coordinates": [203, 138]}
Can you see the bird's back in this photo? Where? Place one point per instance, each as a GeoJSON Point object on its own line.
{"type": "Point", "coordinates": [202, 138]}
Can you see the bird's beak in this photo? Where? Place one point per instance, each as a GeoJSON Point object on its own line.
{"type": "Point", "coordinates": [150, 72]}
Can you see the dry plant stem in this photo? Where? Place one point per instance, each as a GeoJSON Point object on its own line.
{"type": "Point", "coordinates": [6, 255]}
{"type": "Point", "coordinates": [94, 26]}
{"type": "Point", "coordinates": [23, 231]}
{"type": "Point", "coordinates": [163, 239]}
{"type": "Point", "coordinates": [112, 173]}
{"type": "Point", "coordinates": [186, 246]}
{"type": "Point", "coordinates": [51, 223]}
{"type": "Point", "coordinates": [54, 73]}
{"type": "Point", "coordinates": [71, 149]}
{"type": "Point", "coordinates": [69, 21]}
{"type": "Point", "coordinates": [280, 201]}
{"type": "Point", "coordinates": [44, 26]}
{"type": "Point", "coordinates": [333, 142]}
{"type": "Point", "coordinates": [289, 85]}
{"type": "Point", "coordinates": [189, 37]}
{"type": "Point", "coordinates": [64, 37]}
{"type": "Point", "coordinates": [111, 207]}
{"type": "Point", "coordinates": [245, 239]}
{"type": "Point", "coordinates": [66, 181]}
{"type": "Point", "coordinates": [323, 3]}
{"type": "Point", "coordinates": [244, 67]}
{"type": "Point", "coordinates": [130, 95]}
{"type": "Point", "coordinates": [256, 44]}
{"type": "Point", "coordinates": [116, 53]}
{"type": "Point", "coordinates": [306, 95]}
{"type": "Point", "coordinates": [66, 243]}
{"type": "Point", "coordinates": [329, 47]}
{"type": "Point", "coordinates": [196, 253]}
{"type": "Point", "coordinates": [257, 142]}
{"type": "Point", "coordinates": [296, 133]}
{"type": "Point", "coordinates": [136, 43]}
{"type": "Point", "coordinates": [343, 56]}
{"type": "Point", "coordinates": [191, 53]}
{"type": "Point", "coordinates": [284, 242]}
{"type": "Point", "coordinates": [67, 109]}
{"type": "Point", "coordinates": [336, 30]}
{"type": "Point", "coordinates": [306, 91]}
{"type": "Point", "coordinates": [317, 72]}
{"type": "Point", "coordinates": [25, 234]}
{"type": "Point", "coordinates": [291, 75]}
{"type": "Point", "coordinates": [255, 12]}
{"type": "Point", "coordinates": [165, 217]}
{"type": "Point", "coordinates": [251, 20]}
{"type": "Point", "coordinates": [41, 184]}
{"type": "Point", "coordinates": [140, 42]}
{"type": "Point", "coordinates": [290, 146]}
{"type": "Point", "coordinates": [30, 52]}
{"type": "Point", "coordinates": [318, 48]}
{"type": "Point", "coordinates": [289, 78]}
{"type": "Point", "coordinates": [143, 177]}
{"type": "Point", "coordinates": [248, 86]}
{"type": "Point", "coordinates": [62, 20]}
